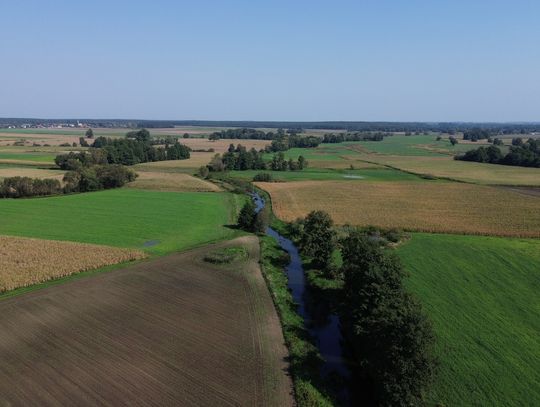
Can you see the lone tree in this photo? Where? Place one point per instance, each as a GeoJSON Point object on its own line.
{"type": "Point", "coordinates": [453, 140]}
{"type": "Point", "coordinates": [89, 133]}
{"type": "Point", "coordinates": [318, 238]}
{"type": "Point", "coordinates": [246, 217]}
{"type": "Point", "coordinates": [391, 338]}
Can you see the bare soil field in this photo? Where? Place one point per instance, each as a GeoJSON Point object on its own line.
{"type": "Point", "coordinates": [172, 331]}
{"type": "Point", "coordinates": [170, 181]}
{"type": "Point", "coordinates": [445, 207]}
{"type": "Point", "coordinates": [6, 172]}
{"type": "Point", "coordinates": [25, 261]}
{"type": "Point", "coordinates": [447, 167]}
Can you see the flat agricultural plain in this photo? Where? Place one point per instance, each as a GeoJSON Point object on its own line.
{"type": "Point", "coordinates": [24, 261]}
{"type": "Point", "coordinates": [482, 295]}
{"type": "Point", "coordinates": [430, 206]}
{"type": "Point", "coordinates": [172, 331]}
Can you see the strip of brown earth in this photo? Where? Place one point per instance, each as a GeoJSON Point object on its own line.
{"type": "Point", "coordinates": [171, 331]}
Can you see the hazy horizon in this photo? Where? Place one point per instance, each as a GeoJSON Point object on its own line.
{"type": "Point", "coordinates": [400, 61]}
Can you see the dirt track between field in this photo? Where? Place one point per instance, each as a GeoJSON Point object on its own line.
{"type": "Point", "coordinates": [171, 331]}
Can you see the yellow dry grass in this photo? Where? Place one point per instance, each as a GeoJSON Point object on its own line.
{"type": "Point", "coordinates": [447, 167]}
{"type": "Point", "coordinates": [171, 181]}
{"type": "Point", "coordinates": [30, 172]}
{"type": "Point", "coordinates": [446, 207]}
{"type": "Point", "coordinates": [25, 261]}
{"type": "Point", "coordinates": [194, 162]}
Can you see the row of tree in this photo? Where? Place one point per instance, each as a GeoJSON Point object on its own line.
{"type": "Point", "coordinates": [292, 141]}
{"type": "Point", "coordinates": [521, 154]}
{"type": "Point", "coordinates": [387, 332]}
{"type": "Point", "coordinates": [357, 136]}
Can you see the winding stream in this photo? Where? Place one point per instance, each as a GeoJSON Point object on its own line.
{"type": "Point", "coordinates": [322, 325]}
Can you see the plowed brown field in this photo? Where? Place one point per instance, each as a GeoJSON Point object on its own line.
{"type": "Point", "coordinates": [171, 331]}
{"type": "Point", "coordinates": [444, 207]}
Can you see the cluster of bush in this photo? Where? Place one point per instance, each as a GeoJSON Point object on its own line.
{"type": "Point", "coordinates": [357, 136]}
{"type": "Point", "coordinates": [386, 331]}
{"type": "Point", "coordinates": [521, 154]}
{"type": "Point", "coordinates": [24, 187]}
{"type": "Point", "coordinates": [240, 159]}
{"type": "Point", "coordinates": [130, 151]}
{"type": "Point", "coordinates": [97, 177]}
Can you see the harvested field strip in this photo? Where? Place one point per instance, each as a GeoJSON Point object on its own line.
{"type": "Point", "coordinates": [167, 181]}
{"type": "Point", "coordinates": [445, 207]}
{"type": "Point", "coordinates": [6, 172]}
{"type": "Point", "coordinates": [190, 165]}
{"type": "Point", "coordinates": [172, 331]}
{"type": "Point", "coordinates": [447, 167]}
{"type": "Point", "coordinates": [24, 262]}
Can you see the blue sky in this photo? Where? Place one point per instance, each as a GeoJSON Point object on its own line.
{"type": "Point", "coordinates": [271, 60]}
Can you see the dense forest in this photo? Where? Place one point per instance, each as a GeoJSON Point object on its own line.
{"type": "Point", "coordinates": [521, 154]}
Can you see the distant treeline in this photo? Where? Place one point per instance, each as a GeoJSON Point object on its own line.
{"type": "Point", "coordinates": [445, 127]}
{"type": "Point", "coordinates": [357, 136]}
{"type": "Point", "coordinates": [521, 154]}
{"type": "Point", "coordinates": [281, 140]}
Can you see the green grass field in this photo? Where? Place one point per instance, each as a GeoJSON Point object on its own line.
{"type": "Point", "coordinates": [319, 174]}
{"type": "Point", "coordinates": [124, 218]}
{"type": "Point", "coordinates": [27, 156]}
{"type": "Point", "coordinates": [482, 296]}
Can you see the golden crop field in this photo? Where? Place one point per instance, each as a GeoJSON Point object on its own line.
{"type": "Point", "coordinates": [30, 172]}
{"type": "Point", "coordinates": [25, 261]}
{"type": "Point", "coordinates": [171, 181]}
{"type": "Point", "coordinates": [445, 207]}
{"type": "Point", "coordinates": [447, 167]}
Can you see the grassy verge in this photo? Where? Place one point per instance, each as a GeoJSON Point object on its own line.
{"type": "Point", "coordinates": [304, 356]}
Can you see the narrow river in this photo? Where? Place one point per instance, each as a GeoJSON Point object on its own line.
{"type": "Point", "coordinates": [322, 325]}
